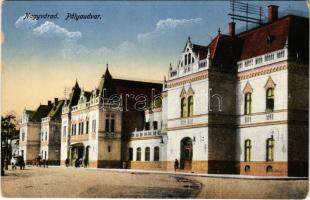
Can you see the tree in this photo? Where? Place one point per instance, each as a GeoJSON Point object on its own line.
{"type": "Point", "coordinates": [8, 127]}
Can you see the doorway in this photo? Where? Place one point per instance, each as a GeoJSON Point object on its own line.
{"type": "Point", "coordinates": [186, 154]}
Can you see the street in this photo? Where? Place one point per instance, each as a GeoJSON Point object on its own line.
{"type": "Point", "coordinates": [81, 182]}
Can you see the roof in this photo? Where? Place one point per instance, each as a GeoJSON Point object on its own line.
{"type": "Point", "coordinates": [74, 95]}
{"type": "Point", "coordinates": [56, 110]}
{"type": "Point", "coordinates": [290, 27]}
{"type": "Point", "coordinates": [29, 113]}
{"type": "Point", "coordinates": [111, 86]}
{"type": "Point", "coordinates": [200, 50]}
{"type": "Point", "coordinates": [41, 112]}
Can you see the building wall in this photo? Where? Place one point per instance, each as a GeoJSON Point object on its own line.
{"type": "Point", "coordinates": [31, 144]}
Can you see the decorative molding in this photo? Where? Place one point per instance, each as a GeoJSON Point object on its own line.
{"type": "Point", "coordinates": [183, 92]}
{"type": "Point", "coordinates": [270, 83]}
{"type": "Point", "coordinates": [247, 88]}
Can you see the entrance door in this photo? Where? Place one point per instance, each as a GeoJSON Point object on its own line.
{"type": "Point", "coordinates": [186, 153]}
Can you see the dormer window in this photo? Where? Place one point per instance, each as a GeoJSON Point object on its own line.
{"type": "Point", "coordinates": [189, 58]}
{"type": "Point", "coordinates": [185, 59]}
{"type": "Point", "coordinates": [269, 39]}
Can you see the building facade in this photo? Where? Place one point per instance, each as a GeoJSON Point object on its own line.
{"type": "Point", "coordinates": [238, 105]}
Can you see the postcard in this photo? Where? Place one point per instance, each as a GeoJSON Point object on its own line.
{"type": "Point", "coordinates": [155, 99]}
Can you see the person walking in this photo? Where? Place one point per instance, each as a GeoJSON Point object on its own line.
{"type": "Point", "coordinates": [22, 163]}
{"type": "Point", "coordinates": [176, 165]}
{"type": "Point", "coordinates": [67, 162]}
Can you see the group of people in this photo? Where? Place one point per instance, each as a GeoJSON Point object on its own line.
{"type": "Point", "coordinates": [40, 162]}
{"type": "Point", "coordinates": [18, 161]}
{"type": "Point", "coordinates": [77, 162]}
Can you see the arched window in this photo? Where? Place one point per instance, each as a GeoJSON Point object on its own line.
{"type": "Point", "coordinates": [190, 106]}
{"type": "Point", "coordinates": [270, 149]}
{"type": "Point", "coordinates": [248, 103]}
{"type": "Point", "coordinates": [185, 59]}
{"type": "Point", "coordinates": [156, 153]}
{"type": "Point", "coordinates": [183, 107]}
{"type": "Point", "coordinates": [270, 99]}
{"type": "Point", "coordinates": [147, 154]}
{"type": "Point", "coordinates": [138, 154]}
{"type": "Point", "coordinates": [130, 154]}
{"type": "Point", "coordinates": [189, 58]}
{"type": "Point", "coordinates": [247, 147]}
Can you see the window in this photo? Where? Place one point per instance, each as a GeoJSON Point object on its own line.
{"type": "Point", "coordinates": [94, 125]}
{"type": "Point", "coordinates": [42, 136]}
{"type": "Point", "coordinates": [130, 154]}
{"type": "Point", "coordinates": [64, 131]}
{"type": "Point", "coordinates": [269, 168]}
{"type": "Point", "coordinates": [109, 148]}
{"type": "Point", "coordinates": [147, 126]}
{"type": "Point", "coordinates": [147, 154]}
{"type": "Point", "coordinates": [156, 153]}
{"type": "Point", "coordinates": [270, 99]}
{"type": "Point", "coordinates": [190, 106]}
{"type": "Point", "coordinates": [155, 125]}
{"type": "Point", "coordinates": [73, 129]}
{"type": "Point", "coordinates": [193, 60]}
{"type": "Point", "coordinates": [189, 58]}
{"type": "Point", "coordinates": [23, 136]}
{"type": "Point", "coordinates": [109, 123]}
{"type": "Point", "coordinates": [46, 136]}
{"type": "Point", "coordinates": [248, 104]}
{"type": "Point", "coordinates": [183, 107]}
{"type": "Point", "coordinates": [139, 154]}
{"type": "Point", "coordinates": [87, 126]}
{"type": "Point", "coordinates": [112, 125]}
{"type": "Point", "coordinates": [269, 149]}
{"type": "Point", "coordinates": [247, 147]}
{"type": "Point", "coordinates": [185, 59]}
{"type": "Point", "coordinates": [247, 168]}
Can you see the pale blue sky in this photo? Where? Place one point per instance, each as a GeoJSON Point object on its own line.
{"type": "Point", "coordinates": [138, 39]}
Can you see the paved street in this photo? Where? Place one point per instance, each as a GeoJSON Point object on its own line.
{"type": "Point", "coordinates": [72, 182]}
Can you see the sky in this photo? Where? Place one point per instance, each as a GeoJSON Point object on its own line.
{"type": "Point", "coordinates": [138, 40]}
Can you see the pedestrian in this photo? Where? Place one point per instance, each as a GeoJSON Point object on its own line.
{"type": "Point", "coordinates": [67, 162]}
{"type": "Point", "coordinates": [46, 163]}
{"type": "Point", "coordinates": [22, 163]}
{"type": "Point", "coordinates": [85, 162]}
{"type": "Point", "coordinates": [176, 164]}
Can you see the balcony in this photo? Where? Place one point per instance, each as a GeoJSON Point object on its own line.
{"type": "Point", "coordinates": [262, 60]}
{"type": "Point", "coordinates": [145, 133]}
{"type": "Point", "coordinates": [46, 119]}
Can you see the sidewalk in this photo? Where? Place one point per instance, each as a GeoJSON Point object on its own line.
{"type": "Point", "coordinates": [230, 176]}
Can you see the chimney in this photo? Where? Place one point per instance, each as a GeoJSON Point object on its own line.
{"type": "Point", "coordinates": [49, 103]}
{"type": "Point", "coordinates": [272, 13]}
{"type": "Point", "coordinates": [56, 100]}
{"type": "Point", "coordinates": [232, 28]}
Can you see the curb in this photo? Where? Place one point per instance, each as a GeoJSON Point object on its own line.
{"type": "Point", "coordinates": [229, 176]}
